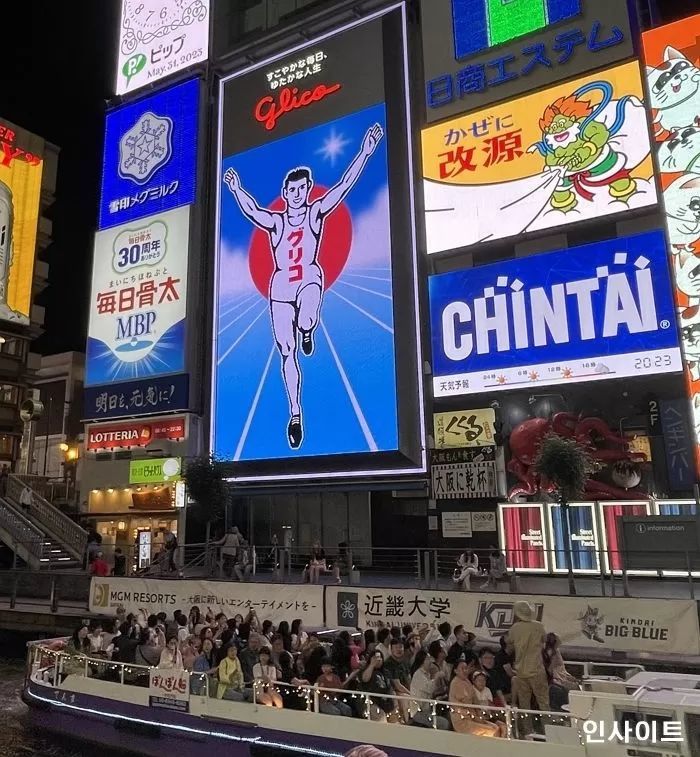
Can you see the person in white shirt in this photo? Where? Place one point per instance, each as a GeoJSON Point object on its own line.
{"type": "Point", "coordinates": [265, 676]}
{"type": "Point", "coordinates": [171, 656]}
{"type": "Point", "coordinates": [383, 642]}
{"type": "Point", "coordinates": [183, 632]}
{"type": "Point", "coordinates": [96, 639]}
{"type": "Point", "coordinates": [483, 693]}
{"type": "Point", "coordinates": [425, 679]}
{"type": "Point", "coordinates": [229, 544]}
{"type": "Point", "coordinates": [467, 566]}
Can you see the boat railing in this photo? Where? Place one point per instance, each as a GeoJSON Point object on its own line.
{"type": "Point", "coordinates": [53, 667]}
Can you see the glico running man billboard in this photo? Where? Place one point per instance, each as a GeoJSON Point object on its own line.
{"type": "Point", "coordinates": [21, 167]}
{"type": "Point", "coordinates": [601, 311]}
{"type": "Point", "coordinates": [672, 57]}
{"type": "Point", "coordinates": [316, 287]}
{"type": "Point", "coordinates": [574, 152]}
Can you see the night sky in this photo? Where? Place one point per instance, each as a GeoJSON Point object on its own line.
{"type": "Point", "coordinates": [57, 73]}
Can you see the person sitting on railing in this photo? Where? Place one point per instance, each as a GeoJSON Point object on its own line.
{"type": "Point", "coordinates": [316, 564]}
{"type": "Point", "coordinates": [426, 681]}
{"type": "Point", "coordinates": [374, 680]}
{"type": "Point", "coordinates": [468, 719]}
{"type": "Point", "coordinates": [171, 657]}
{"type": "Point", "coordinates": [497, 569]}
{"type": "Point", "coordinates": [467, 566]}
{"type": "Point", "coordinates": [204, 665]}
{"type": "Point", "coordinates": [329, 703]}
{"type": "Point", "coordinates": [242, 565]}
{"type": "Point", "coordinates": [265, 677]}
{"type": "Point", "coordinates": [230, 676]}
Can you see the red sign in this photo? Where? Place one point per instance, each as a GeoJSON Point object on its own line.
{"type": "Point", "coordinates": [111, 436]}
{"type": "Point", "coordinates": [268, 112]}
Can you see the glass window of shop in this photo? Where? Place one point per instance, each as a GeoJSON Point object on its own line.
{"type": "Point", "coordinates": [236, 20]}
{"type": "Point", "coordinates": [140, 537]}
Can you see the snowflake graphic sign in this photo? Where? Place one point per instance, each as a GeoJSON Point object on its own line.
{"type": "Point", "coordinates": [150, 155]}
{"type": "Point", "coordinates": [145, 148]}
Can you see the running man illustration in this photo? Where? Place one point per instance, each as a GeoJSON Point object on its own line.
{"type": "Point", "coordinates": [296, 286]}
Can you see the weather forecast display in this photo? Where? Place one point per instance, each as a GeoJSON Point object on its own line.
{"type": "Point", "coordinates": [305, 360]}
{"type": "Point", "coordinates": [150, 155]}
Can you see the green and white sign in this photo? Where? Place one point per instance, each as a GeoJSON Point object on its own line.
{"type": "Point", "coordinates": [155, 470]}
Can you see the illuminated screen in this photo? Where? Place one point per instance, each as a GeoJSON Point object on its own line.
{"type": "Point", "coordinates": [150, 156]}
{"type": "Point", "coordinates": [480, 24]}
{"type": "Point", "coordinates": [305, 357]}
{"type": "Point", "coordinates": [523, 537]}
{"type": "Point", "coordinates": [507, 170]}
{"type": "Point", "coordinates": [20, 192]}
{"type": "Point", "coordinates": [612, 533]}
{"type": "Point", "coordinates": [583, 537]}
{"type": "Point", "coordinates": [590, 313]}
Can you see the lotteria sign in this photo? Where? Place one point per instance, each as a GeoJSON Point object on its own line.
{"type": "Point", "coordinates": [600, 311]}
{"type": "Point", "coordinates": [114, 435]}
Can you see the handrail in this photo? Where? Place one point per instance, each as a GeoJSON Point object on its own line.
{"type": "Point", "coordinates": [21, 530]}
{"type": "Point", "coordinates": [60, 526]}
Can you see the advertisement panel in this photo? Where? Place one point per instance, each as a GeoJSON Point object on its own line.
{"type": "Point", "coordinates": [158, 38]}
{"type": "Point", "coordinates": [539, 42]}
{"type": "Point", "coordinates": [150, 155]}
{"type": "Point", "coordinates": [129, 398]}
{"type": "Point", "coordinates": [523, 537]}
{"type": "Point", "coordinates": [672, 58]}
{"type": "Point", "coordinates": [312, 238]}
{"type": "Point", "coordinates": [611, 529]}
{"type": "Point", "coordinates": [155, 470]}
{"type": "Point", "coordinates": [169, 689]}
{"type": "Point", "coordinates": [464, 428]}
{"type": "Point", "coordinates": [139, 299]}
{"type": "Point", "coordinates": [21, 168]}
{"type": "Point", "coordinates": [679, 444]}
{"type": "Point", "coordinates": [583, 537]}
{"type": "Point", "coordinates": [575, 152]}
{"type": "Point", "coordinates": [276, 602]}
{"type": "Point", "coordinates": [465, 473]}
{"type": "Point", "coordinates": [106, 436]}
{"type": "Point", "coordinates": [600, 311]}
{"type": "Point", "coordinates": [604, 623]}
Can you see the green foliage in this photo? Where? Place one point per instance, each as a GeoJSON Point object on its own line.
{"type": "Point", "coordinates": [566, 465]}
{"type": "Point", "coordinates": [206, 486]}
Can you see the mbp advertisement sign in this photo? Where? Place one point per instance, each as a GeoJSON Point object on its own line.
{"type": "Point", "coordinates": [574, 152]}
{"type": "Point", "coordinates": [139, 299]}
{"type": "Point", "coordinates": [316, 290]}
{"type": "Point", "coordinates": [158, 38]}
{"type": "Point", "coordinates": [479, 51]}
{"type": "Point", "coordinates": [601, 311]}
{"type": "Point", "coordinates": [672, 57]}
{"type": "Point", "coordinates": [150, 155]}
{"type": "Point", "coordinates": [21, 167]}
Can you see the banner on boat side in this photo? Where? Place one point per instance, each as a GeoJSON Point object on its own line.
{"type": "Point", "coordinates": [274, 601]}
{"type": "Point", "coordinates": [169, 689]}
{"type": "Point", "coordinates": [625, 625]}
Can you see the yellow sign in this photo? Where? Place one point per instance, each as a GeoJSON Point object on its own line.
{"type": "Point", "coordinates": [21, 166]}
{"type": "Point", "coordinates": [569, 153]}
{"type": "Point", "coordinates": [640, 444]}
{"type": "Point", "coordinates": [464, 428]}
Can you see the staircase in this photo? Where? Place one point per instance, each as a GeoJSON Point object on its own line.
{"type": "Point", "coordinates": [48, 537]}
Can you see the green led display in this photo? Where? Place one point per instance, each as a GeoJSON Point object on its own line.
{"type": "Point", "coordinates": [509, 19]}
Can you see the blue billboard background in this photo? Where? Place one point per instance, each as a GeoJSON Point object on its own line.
{"type": "Point", "coordinates": [164, 394]}
{"type": "Point", "coordinates": [150, 155]}
{"type": "Point", "coordinates": [348, 384]}
{"type": "Point", "coordinates": [582, 532]}
{"type": "Point", "coordinates": [602, 300]}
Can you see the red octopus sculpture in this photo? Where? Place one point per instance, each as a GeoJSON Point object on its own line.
{"type": "Point", "coordinates": [594, 434]}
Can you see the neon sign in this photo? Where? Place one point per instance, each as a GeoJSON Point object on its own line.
{"type": "Point", "coordinates": [268, 112]}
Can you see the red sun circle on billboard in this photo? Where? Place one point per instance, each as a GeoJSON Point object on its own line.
{"type": "Point", "coordinates": [332, 256]}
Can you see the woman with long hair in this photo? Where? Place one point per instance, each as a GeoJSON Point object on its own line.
{"type": "Point", "coordinates": [424, 682]}
{"type": "Point", "coordinates": [299, 636]}
{"type": "Point", "coordinates": [285, 633]}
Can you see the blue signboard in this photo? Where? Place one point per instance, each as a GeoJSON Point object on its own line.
{"type": "Point", "coordinates": [679, 444]}
{"type": "Point", "coordinates": [601, 311]}
{"type": "Point", "coordinates": [164, 394]}
{"type": "Point", "coordinates": [583, 538]}
{"type": "Point", "coordinates": [150, 155]}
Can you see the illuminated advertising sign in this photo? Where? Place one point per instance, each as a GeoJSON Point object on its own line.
{"type": "Point", "coordinates": [21, 167]}
{"type": "Point", "coordinates": [571, 153]}
{"type": "Point", "coordinates": [523, 537]}
{"type": "Point", "coordinates": [155, 470]}
{"type": "Point", "coordinates": [672, 56]}
{"type": "Point", "coordinates": [136, 434]}
{"type": "Point", "coordinates": [583, 537]}
{"type": "Point", "coordinates": [464, 428]}
{"type": "Point", "coordinates": [600, 311]}
{"type": "Point", "coordinates": [130, 398]}
{"type": "Point", "coordinates": [315, 230]}
{"type": "Point", "coordinates": [479, 51]}
{"type": "Point", "coordinates": [150, 155]}
{"type": "Point", "coordinates": [138, 300]}
{"type": "Point", "coordinates": [611, 529]}
{"type": "Point", "coordinates": [158, 38]}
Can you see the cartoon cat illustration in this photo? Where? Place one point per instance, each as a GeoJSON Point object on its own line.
{"type": "Point", "coordinates": [681, 151]}
{"type": "Point", "coordinates": [675, 91]}
{"type": "Point", "coordinates": [690, 336]}
{"type": "Point", "coordinates": [591, 623]}
{"type": "Point", "coordinates": [682, 200]}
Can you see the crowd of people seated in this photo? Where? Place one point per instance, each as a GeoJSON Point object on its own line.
{"type": "Point", "coordinates": [383, 675]}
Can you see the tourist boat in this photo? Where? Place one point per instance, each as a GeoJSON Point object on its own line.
{"type": "Point", "coordinates": [156, 712]}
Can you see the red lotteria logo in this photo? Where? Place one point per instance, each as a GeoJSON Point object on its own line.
{"type": "Point", "coordinates": [268, 112]}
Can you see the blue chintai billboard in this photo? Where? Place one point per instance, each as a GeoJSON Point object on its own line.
{"type": "Point", "coordinates": [590, 313]}
{"type": "Point", "coordinates": [310, 325]}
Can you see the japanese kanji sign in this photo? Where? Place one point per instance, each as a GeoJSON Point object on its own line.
{"type": "Point", "coordinates": [575, 152]}
{"type": "Point", "coordinates": [679, 444]}
{"type": "Point", "coordinates": [150, 155]}
{"type": "Point", "coordinates": [464, 428]}
{"type": "Point", "coordinates": [464, 473]}
{"type": "Point", "coordinates": [138, 300]}
{"type": "Point", "coordinates": [21, 168]}
{"type": "Point", "coordinates": [478, 51]}
{"type": "Point", "coordinates": [169, 689]}
{"type": "Point", "coordinates": [158, 38]}
{"type": "Point", "coordinates": [133, 398]}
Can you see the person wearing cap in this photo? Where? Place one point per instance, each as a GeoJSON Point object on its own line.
{"type": "Point", "coordinates": [525, 640]}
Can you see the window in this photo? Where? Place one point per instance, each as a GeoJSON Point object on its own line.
{"type": "Point", "coordinates": [9, 394]}
{"type": "Point", "coordinates": [12, 346]}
